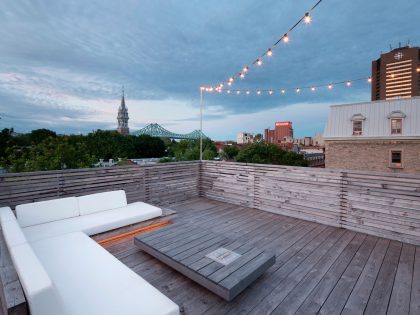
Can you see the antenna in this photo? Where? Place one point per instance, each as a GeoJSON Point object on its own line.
{"type": "Point", "coordinates": [122, 89]}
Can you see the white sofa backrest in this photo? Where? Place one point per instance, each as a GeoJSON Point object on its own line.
{"type": "Point", "coordinates": [47, 211]}
{"type": "Point", "coordinates": [40, 292]}
{"type": "Point", "coordinates": [12, 232]}
{"type": "Point", "coordinates": [102, 201]}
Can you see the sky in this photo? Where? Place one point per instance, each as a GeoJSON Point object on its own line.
{"type": "Point", "coordinates": [63, 63]}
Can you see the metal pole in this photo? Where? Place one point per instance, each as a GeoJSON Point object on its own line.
{"type": "Point", "coordinates": [201, 123]}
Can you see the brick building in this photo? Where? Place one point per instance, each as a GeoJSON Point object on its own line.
{"type": "Point", "coordinates": [281, 131]}
{"type": "Point", "coordinates": [376, 136]}
{"type": "Point", "coordinates": [396, 74]}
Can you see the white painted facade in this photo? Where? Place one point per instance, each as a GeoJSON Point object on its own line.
{"type": "Point", "coordinates": [244, 138]}
{"type": "Point", "coordinates": [376, 120]}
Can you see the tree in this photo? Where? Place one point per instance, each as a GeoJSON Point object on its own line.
{"type": "Point", "coordinates": [187, 150]}
{"type": "Point", "coordinates": [231, 151]}
{"type": "Point", "coordinates": [39, 135]}
{"type": "Point", "coordinates": [263, 153]}
{"type": "Point", "coordinates": [6, 140]}
{"type": "Point", "coordinates": [110, 145]}
{"type": "Point", "coordinates": [148, 147]}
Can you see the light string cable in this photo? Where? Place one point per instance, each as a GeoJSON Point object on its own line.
{"type": "Point", "coordinates": [312, 88]}
{"type": "Point", "coordinates": [306, 18]}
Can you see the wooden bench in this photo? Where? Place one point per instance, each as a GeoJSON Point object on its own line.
{"type": "Point", "coordinates": [222, 265]}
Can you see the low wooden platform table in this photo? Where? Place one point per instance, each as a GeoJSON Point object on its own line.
{"type": "Point", "coordinates": [222, 265]}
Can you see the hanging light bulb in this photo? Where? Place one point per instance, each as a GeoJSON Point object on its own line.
{"type": "Point", "coordinates": [330, 86]}
{"type": "Point", "coordinates": [283, 91]}
{"type": "Point", "coordinates": [229, 83]}
{"type": "Point", "coordinates": [370, 80]}
{"type": "Point", "coordinates": [258, 92]}
{"type": "Point", "coordinates": [228, 91]}
{"type": "Point", "coordinates": [241, 75]}
{"type": "Point", "coordinates": [221, 85]}
{"type": "Point", "coordinates": [245, 69]}
{"type": "Point", "coordinates": [202, 88]}
{"type": "Point", "coordinates": [238, 92]}
{"type": "Point", "coordinates": [231, 79]}
{"type": "Point", "coordinates": [313, 89]}
{"type": "Point", "coordinates": [211, 89]}
{"type": "Point", "coordinates": [259, 62]}
{"type": "Point", "coordinates": [298, 90]}
{"type": "Point", "coordinates": [307, 19]}
{"type": "Point", "coordinates": [269, 52]}
{"type": "Point", "coordinates": [285, 38]}
{"type": "Point", "coordinates": [270, 92]}
{"type": "Point", "coordinates": [247, 92]}
{"type": "Point", "coordinates": [348, 83]}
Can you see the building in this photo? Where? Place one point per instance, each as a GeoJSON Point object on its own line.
{"type": "Point", "coordinates": [314, 157]}
{"type": "Point", "coordinates": [396, 74]}
{"type": "Point", "coordinates": [122, 118]}
{"type": "Point", "coordinates": [377, 136]}
{"type": "Point", "coordinates": [244, 138]}
{"type": "Point", "coordinates": [281, 130]}
{"type": "Point", "coordinates": [318, 140]}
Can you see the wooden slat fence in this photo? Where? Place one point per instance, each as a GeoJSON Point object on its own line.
{"type": "Point", "coordinates": [159, 184]}
{"type": "Point", "coordinates": [382, 204]}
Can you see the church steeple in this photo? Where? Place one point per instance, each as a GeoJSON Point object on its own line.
{"type": "Point", "coordinates": [122, 117]}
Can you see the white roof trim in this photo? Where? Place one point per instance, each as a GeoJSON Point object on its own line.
{"type": "Point", "coordinates": [357, 117]}
{"type": "Point", "coordinates": [396, 114]}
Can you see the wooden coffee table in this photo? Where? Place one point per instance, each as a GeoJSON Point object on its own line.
{"type": "Point", "coordinates": [222, 265]}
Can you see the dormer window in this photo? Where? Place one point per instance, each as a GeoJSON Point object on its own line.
{"type": "Point", "coordinates": [357, 120]}
{"type": "Point", "coordinates": [396, 118]}
{"type": "Point", "coordinates": [357, 127]}
{"type": "Point", "coordinates": [396, 126]}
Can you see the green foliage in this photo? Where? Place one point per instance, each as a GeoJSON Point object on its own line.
{"type": "Point", "coordinates": [230, 151]}
{"type": "Point", "coordinates": [187, 150]}
{"type": "Point", "coordinates": [262, 153]}
{"type": "Point", "coordinates": [42, 149]}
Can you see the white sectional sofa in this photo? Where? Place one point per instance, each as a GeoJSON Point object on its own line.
{"type": "Point", "coordinates": [63, 271]}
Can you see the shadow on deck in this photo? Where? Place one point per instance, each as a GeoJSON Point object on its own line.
{"type": "Point", "coordinates": [318, 268]}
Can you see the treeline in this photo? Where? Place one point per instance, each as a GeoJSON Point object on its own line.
{"type": "Point", "coordinates": [43, 149]}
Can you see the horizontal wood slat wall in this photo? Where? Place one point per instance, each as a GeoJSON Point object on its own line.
{"type": "Point", "coordinates": [382, 204]}
{"type": "Point", "coordinates": [159, 184]}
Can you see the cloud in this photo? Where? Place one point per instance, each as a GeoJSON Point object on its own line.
{"type": "Point", "coordinates": [62, 64]}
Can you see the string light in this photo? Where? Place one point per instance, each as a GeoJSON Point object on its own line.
{"type": "Point", "coordinates": [306, 18]}
{"type": "Point", "coordinates": [241, 75]}
{"type": "Point", "coordinates": [229, 83]}
{"type": "Point", "coordinates": [270, 91]}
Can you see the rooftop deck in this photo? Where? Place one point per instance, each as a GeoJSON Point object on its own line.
{"type": "Point", "coordinates": [318, 268]}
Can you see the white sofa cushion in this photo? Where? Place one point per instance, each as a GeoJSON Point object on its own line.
{"type": "Point", "coordinates": [46, 211]}
{"type": "Point", "coordinates": [101, 201]}
{"type": "Point", "coordinates": [39, 290]}
{"type": "Point", "coordinates": [92, 281]}
{"type": "Point", "coordinates": [6, 214]}
{"type": "Point", "coordinates": [12, 232]}
{"type": "Point", "coordinates": [95, 223]}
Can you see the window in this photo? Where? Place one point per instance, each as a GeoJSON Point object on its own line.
{"type": "Point", "coordinates": [396, 126]}
{"type": "Point", "coordinates": [396, 158]}
{"type": "Point", "coordinates": [357, 127]}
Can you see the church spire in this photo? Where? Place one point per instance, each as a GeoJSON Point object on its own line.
{"type": "Point", "coordinates": [122, 117]}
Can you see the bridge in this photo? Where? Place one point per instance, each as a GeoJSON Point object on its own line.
{"type": "Point", "coordinates": [156, 130]}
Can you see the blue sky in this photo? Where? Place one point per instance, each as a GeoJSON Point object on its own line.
{"type": "Point", "coordinates": [62, 63]}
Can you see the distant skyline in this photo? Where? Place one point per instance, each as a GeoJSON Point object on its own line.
{"type": "Point", "coordinates": [62, 64]}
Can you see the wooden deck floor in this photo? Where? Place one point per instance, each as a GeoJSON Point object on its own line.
{"type": "Point", "coordinates": [318, 269]}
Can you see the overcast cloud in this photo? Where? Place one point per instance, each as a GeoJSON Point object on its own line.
{"type": "Point", "coordinates": [62, 63]}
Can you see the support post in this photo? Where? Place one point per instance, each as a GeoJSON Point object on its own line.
{"type": "Point", "coordinates": [201, 123]}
